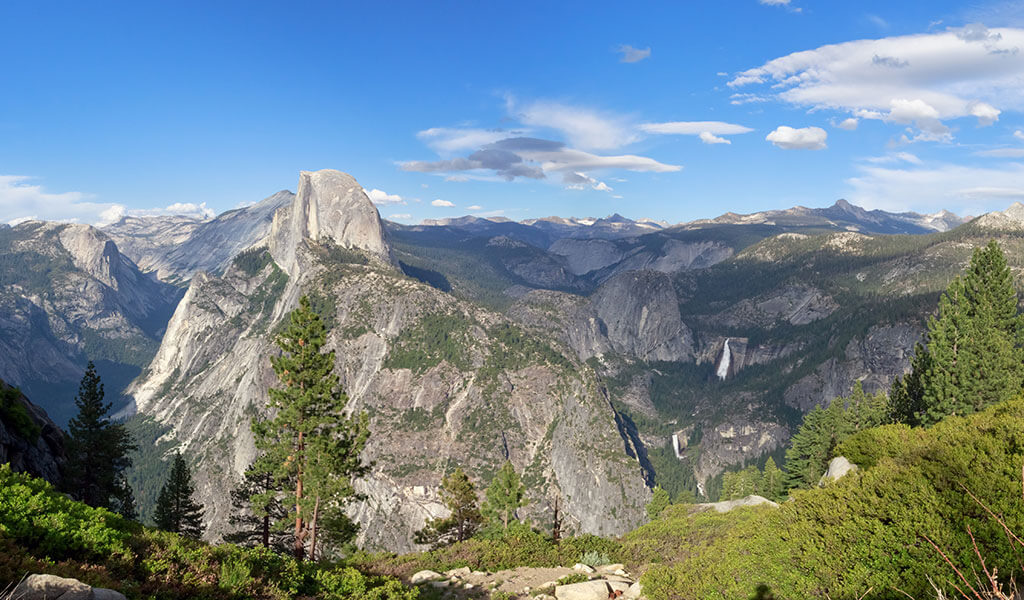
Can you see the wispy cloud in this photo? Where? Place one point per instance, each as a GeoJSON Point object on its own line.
{"type": "Point", "coordinates": [631, 54]}
{"type": "Point", "coordinates": [584, 128]}
{"type": "Point", "coordinates": [21, 200]}
{"type": "Point", "coordinates": [442, 203]}
{"type": "Point", "coordinates": [960, 188]}
{"type": "Point", "coordinates": [694, 128]}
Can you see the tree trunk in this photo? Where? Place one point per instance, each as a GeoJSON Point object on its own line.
{"type": "Point", "coordinates": [312, 542]}
{"type": "Point", "coordinates": [299, 548]}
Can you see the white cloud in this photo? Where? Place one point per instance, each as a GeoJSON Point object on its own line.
{"type": "Point", "coordinates": [940, 76]}
{"type": "Point", "coordinates": [401, 216]}
{"type": "Point", "coordinates": [1018, 134]}
{"type": "Point", "coordinates": [583, 127]}
{"type": "Point", "coordinates": [804, 138]}
{"type": "Point", "coordinates": [631, 54]}
{"type": "Point", "coordinates": [694, 128]}
{"type": "Point", "coordinates": [774, 2]}
{"type": "Point", "coordinates": [848, 124]}
{"type": "Point", "coordinates": [381, 197]}
{"type": "Point", "coordinates": [962, 189]}
{"type": "Point", "coordinates": [448, 139]}
{"type": "Point", "coordinates": [21, 201]}
{"type": "Point", "coordinates": [474, 207]}
{"type": "Point", "coordinates": [896, 157]}
{"type": "Point", "coordinates": [581, 181]}
{"type": "Point", "coordinates": [710, 138]}
{"type": "Point", "coordinates": [442, 203]}
{"type": "Point", "coordinates": [1003, 153]}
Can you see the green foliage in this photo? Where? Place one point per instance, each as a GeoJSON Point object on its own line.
{"type": "Point", "coordinates": [14, 414]}
{"type": "Point", "coordinates": [98, 449]}
{"type": "Point", "coordinates": [40, 519]}
{"type": "Point", "coordinates": [572, 578]}
{"type": "Point", "coordinates": [505, 496]}
{"type": "Point", "coordinates": [176, 511]}
{"type": "Point", "coordinates": [973, 356]}
{"type": "Point", "coordinates": [593, 558]}
{"type": "Point", "coordinates": [42, 530]}
{"type": "Point", "coordinates": [149, 469]}
{"type": "Point", "coordinates": [436, 337]}
{"type": "Point", "coordinates": [459, 496]}
{"type": "Point", "coordinates": [863, 531]}
{"type": "Point", "coordinates": [823, 429]}
{"type": "Point", "coordinates": [309, 445]}
{"type": "Point", "coordinates": [659, 502]}
{"type": "Point", "coordinates": [253, 260]}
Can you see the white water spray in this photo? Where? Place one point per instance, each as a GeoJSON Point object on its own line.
{"type": "Point", "coordinates": [723, 366]}
{"type": "Point", "coordinates": [675, 445]}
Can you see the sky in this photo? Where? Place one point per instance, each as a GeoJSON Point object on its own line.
{"type": "Point", "coordinates": [671, 111]}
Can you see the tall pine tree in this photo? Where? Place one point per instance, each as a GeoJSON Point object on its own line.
{"type": "Point", "coordinates": [972, 357]}
{"type": "Point", "coordinates": [310, 444]}
{"type": "Point", "coordinates": [505, 496]}
{"type": "Point", "coordinates": [97, 450]}
{"type": "Point", "coordinates": [176, 511]}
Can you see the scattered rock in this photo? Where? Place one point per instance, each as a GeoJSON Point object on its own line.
{"type": "Point", "coordinates": [460, 572]}
{"type": "Point", "coordinates": [597, 589]}
{"type": "Point", "coordinates": [837, 469]}
{"type": "Point", "coordinates": [51, 587]}
{"type": "Point", "coordinates": [612, 568]}
{"type": "Point", "coordinates": [424, 576]}
{"type": "Point", "coordinates": [728, 505]}
{"type": "Point", "coordinates": [634, 592]}
{"type": "Point", "coordinates": [582, 568]}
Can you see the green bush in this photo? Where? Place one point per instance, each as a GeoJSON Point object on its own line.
{"type": "Point", "coordinates": [572, 578]}
{"type": "Point", "coordinates": [14, 414]}
{"type": "Point", "coordinates": [41, 530]}
{"type": "Point", "coordinates": [865, 531]}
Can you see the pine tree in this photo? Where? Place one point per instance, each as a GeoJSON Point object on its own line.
{"type": "Point", "coordinates": [973, 355]}
{"type": "Point", "coordinates": [505, 496]}
{"type": "Point", "coordinates": [659, 502]}
{"type": "Point", "coordinates": [310, 444]}
{"type": "Point", "coordinates": [255, 508]}
{"type": "Point", "coordinates": [772, 485]}
{"type": "Point", "coordinates": [459, 495]}
{"type": "Point", "coordinates": [176, 511]}
{"type": "Point", "coordinates": [124, 500]}
{"type": "Point", "coordinates": [97, 448]}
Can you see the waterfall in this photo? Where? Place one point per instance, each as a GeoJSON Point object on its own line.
{"type": "Point", "coordinates": [723, 366]}
{"type": "Point", "coordinates": [675, 444]}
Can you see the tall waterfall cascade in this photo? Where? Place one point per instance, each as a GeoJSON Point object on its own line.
{"type": "Point", "coordinates": [723, 365]}
{"type": "Point", "coordinates": [675, 445]}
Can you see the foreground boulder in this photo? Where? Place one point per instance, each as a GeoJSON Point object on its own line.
{"type": "Point", "coordinates": [51, 587]}
{"type": "Point", "coordinates": [598, 589]}
{"type": "Point", "coordinates": [837, 469]}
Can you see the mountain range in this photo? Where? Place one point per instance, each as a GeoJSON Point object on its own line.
{"type": "Point", "coordinates": [600, 356]}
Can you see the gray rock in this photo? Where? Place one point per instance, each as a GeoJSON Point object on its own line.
{"type": "Point", "coordinates": [329, 205]}
{"type": "Point", "coordinates": [634, 592]}
{"type": "Point", "coordinates": [838, 467]}
{"type": "Point", "coordinates": [597, 589]}
{"type": "Point", "coordinates": [424, 576]}
{"type": "Point", "coordinates": [51, 587]}
{"type": "Point", "coordinates": [42, 456]}
{"type": "Point", "coordinates": [728, 505]}
{"type": "Point", "coordinates": [582, 568]}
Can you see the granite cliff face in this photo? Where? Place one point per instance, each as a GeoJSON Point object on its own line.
{"type": "Point", "coordinates": [176, 248]}
{"type": "Point", "coordinates": [29, 440]}
{"type": "Point", "coordinates": [69, 296]}
{"type": "Point", "coordinates": [493, 391]}
{"type": "Point", "coordinates": [330, 205]}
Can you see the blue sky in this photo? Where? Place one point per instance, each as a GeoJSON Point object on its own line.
{"type": "Point", "coordinates": [519, 109]}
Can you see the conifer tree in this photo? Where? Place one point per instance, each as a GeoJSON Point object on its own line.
{"type": "Point", "coordinates": [464, 520]}
{"type": "Point", "coordinates": [973, 355]}
{"type": "Point", "coordinates": [659, 502]}
{"type": "Point", "coordinates": [176, 511]}
{"type": "Point", "coordinates": [97, 447]}
{"type": "Point", "coordinates": [124, 500]}
{"type": "Point", "coordinates": [505, 496]}
{"type": "Point", "coordinates": [309, 444]}
{"type": "Point", "coordinates": [255, 508]}
{"type": "Point", "coordinates": [772, 485]}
